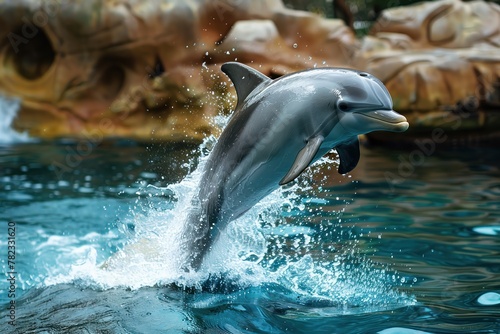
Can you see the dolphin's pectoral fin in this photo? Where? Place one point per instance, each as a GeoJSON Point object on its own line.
{"type": "Point", "coordinates": [303, 159]}
{"type": "Point", "coordinates": [349, 155]}
{"type": "Point", "coordinates": [244, 78]}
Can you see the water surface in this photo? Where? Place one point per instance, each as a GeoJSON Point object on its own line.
{"type": "Point", "coordinates": [391, 248]}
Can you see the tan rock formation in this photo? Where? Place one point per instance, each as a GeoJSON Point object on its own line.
{"type": "Point", "coordinates": [151, 69]}
{"type": "Point", "coordinates": [148, 69]}
{"type": "Point", "coordinates": [441, 62]}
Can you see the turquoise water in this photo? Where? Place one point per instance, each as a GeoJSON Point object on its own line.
{"type": "Point", "coordinates": [395, 247]}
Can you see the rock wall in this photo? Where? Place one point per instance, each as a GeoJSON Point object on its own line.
{"type": "Point", "coordinates": [148, 69]}
{"type": "Point", "coordinates": [441, 62]}
{"type": "Point", "coordinates": [151, 69]}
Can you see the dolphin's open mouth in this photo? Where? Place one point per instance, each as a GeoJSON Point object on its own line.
{"type": "Point", "coordinates": [389, 120]}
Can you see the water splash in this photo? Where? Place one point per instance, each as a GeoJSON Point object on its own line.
{"type": "Point", "coordinates": [273, 243]}
{"type": "Point", "coordinates": [8, 111]}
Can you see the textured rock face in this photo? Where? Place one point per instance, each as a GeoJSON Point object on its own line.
{"type": "Point", "coordinates": [151, 69]}
{"type": "Point", "coordinates": [148, 69]}
{"type": "Point", "coordinates": [440, 61]}
{"type": "Point", "coordinates": [442, 24]}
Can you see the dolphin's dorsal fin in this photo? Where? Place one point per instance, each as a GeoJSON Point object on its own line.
{"type": "Point", "coordinates": [244, 78]}
{"type": "Point", "coordinates": [349, 155]}
{"type": "Point", "coordinates": [303, 159]}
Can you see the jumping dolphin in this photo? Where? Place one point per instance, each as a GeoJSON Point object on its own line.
{"type": "Point", "coordinates": [278, 128]}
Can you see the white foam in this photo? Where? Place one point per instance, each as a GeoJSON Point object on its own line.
{"type": "Point", "coordinates": [489, 298]}
{"type": "Point", "coordinates": [487, 230]}
{"type": "Point", "coordinates": [8, 111]}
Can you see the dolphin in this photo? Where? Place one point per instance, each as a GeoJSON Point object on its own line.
{"type": "Point", "coordinates": [278, 128]}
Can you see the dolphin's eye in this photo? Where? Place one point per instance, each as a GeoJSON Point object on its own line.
{"type": "Point", "coordinates": [343, 106]}
{"type": "Point", "coordinates": [363, 74]}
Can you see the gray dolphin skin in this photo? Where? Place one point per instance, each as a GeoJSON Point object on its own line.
{"type": "Point", "coordinates": [278, 128]}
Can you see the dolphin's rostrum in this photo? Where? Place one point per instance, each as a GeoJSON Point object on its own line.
{"type": "Point", "coordinates": [278, 128]}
